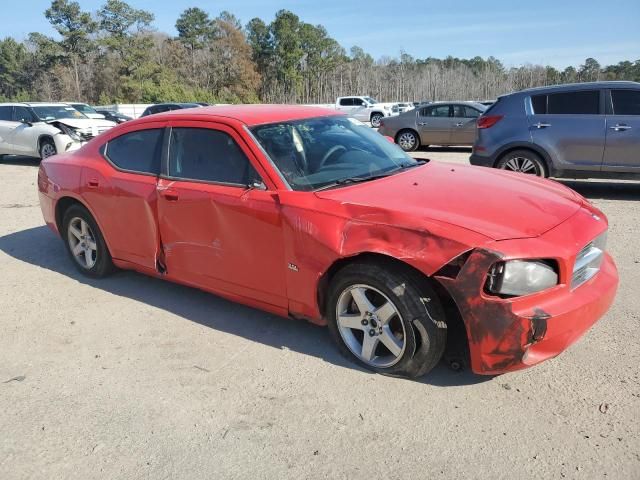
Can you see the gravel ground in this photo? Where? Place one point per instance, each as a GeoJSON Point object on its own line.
{"type": "Point", "coordinates": [131, 377]}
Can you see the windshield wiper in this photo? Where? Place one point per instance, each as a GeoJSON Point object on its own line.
{"type": "Point", "coordinates": [419, 162]}
{"type": "Point", "coordinates": [348, 180]}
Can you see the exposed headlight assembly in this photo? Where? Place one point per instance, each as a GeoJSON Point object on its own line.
{"type": "Point", "coordinates": [70, 132]}
{"type": "Point", "coordinates": [521, 277]}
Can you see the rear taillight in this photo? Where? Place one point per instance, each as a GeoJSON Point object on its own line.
{"type": "Point", "coordinates": [489, 121]}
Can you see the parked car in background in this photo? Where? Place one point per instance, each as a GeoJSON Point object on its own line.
{"type": "Point", "coordinates": [87, 110]}
{"type": "Point", "coordinates": [575, 131]}
{"type": "Point", "coordinates": [44, 129]}
{"type": "Point", "coordinates": [114, 116]}
{"type": "Point", "coordinates": [487, 103]}
{"type": "Point", "coordinates": [404, 107]}
{"type": "Point", "coordinates": [438, 123]}
{"type": "Point", "coordinates": [309, 214]}
{"type": "Point", "coordinates": [365, 109]}
{"type": "Point", "coordinates": [167, 107]}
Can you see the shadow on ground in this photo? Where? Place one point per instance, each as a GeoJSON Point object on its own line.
{"type": "Point", "coordinates": [605, 189]}
{"type": "Point", "coordinates": [40, 247]}
{"type": "Point", "coordinates": [446, 149]}
{"type": "Point", "coordinates": [18, 160]}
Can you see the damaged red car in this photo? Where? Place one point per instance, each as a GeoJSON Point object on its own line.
{"type": "Point", "coordinates": [308, 214]}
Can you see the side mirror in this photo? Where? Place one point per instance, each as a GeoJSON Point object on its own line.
{"type": "Point", "coordinates": [26, 122]}
{"type": "Point", "coordinates": [257, 185]}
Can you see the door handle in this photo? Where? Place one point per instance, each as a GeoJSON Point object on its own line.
{"type": "Point", "coordinates": [541, 125]}
{"type": "Point", "coordinates": [423, 124]}
{"type": "Point", "coordinates": [459, 124]}
{"type": "Point", "coordinates": [620, 127]}
{"type": "Point", "coordinates": [170, 195]}
{"type": "Point", "coordinates": [93, 183]}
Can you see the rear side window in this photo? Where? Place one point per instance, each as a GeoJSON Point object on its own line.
{"type": "Point", "coordinates": [346, 102]}
{"type": "Point", "coordinates": [136, 151]}
{"type": "Point", "coordinates": [539, 104]}
{"type": "Point", "coordinates": [626, 102]}
{"type": "Point", "coordinates": [586, 102]}
{"type": "Point", "coordinates": [5, 114]}
{"type": "Point", "coordinates": [435, 111]}
{"type": "Point", "coordinates": [471, 112]}
{"type": "Point", "coordinates": [210, 156]}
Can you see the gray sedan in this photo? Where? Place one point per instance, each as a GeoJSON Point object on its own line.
{"type": "Point", "coordinates": [440, 123]}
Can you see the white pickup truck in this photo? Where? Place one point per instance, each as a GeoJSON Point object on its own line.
{"type": "Point", "coordinates": [366, 109]}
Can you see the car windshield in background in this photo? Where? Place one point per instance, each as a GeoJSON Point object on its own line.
{"type": "Point", "coordinates": [81, 107]}
{"type": "Point", "coordinates": [56, 112]}
{"type": "Point", "coordinates": [329, 151]}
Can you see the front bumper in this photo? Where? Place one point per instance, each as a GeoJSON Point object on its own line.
{"type": "Point", "coordinates": [508, 334]}
{"type": "Point", "coordinates": [65, 143]}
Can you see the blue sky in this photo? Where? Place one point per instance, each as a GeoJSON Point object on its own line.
{"type": "Point", "coordinates": [555, 32]}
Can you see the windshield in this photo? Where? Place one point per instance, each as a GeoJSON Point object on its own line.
{"type": "Point", "coordinates": [84, 108]}
{"type": "Point", "coordinates": [325, 151]}
{"type": "Point", "coordinates": [371, 100]}
{"type": "Point", "coordinates": [56, 112]}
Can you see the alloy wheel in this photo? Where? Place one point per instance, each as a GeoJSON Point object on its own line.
{"type": "Point", "coordinates": [82, 243]}
{"type": "Point", "coordinates": [371, 326]}
{"type": "Point", "coordinates": [521, 165]}
{"type": "Point", "coordinates": [48, 150]}
{"type": "Point", "coordinates": [375, 121]}
{"type": "Point", "coordinates": [407, 141]}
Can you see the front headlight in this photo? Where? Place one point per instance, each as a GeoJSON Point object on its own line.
{"type": "Point", "coordinates": [70, 132]}
{"type": "Point", "coordinates": [521, 277]}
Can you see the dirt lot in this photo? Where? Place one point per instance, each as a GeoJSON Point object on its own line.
{"type": "Point", "coordinates": [132, 377]}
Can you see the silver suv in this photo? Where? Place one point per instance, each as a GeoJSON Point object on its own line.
{"type": "Point", "coordinates": [576, 131]}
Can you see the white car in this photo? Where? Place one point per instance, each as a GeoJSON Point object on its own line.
{"type": "Point", "coordinates": [405, 107]}
{"type": "Point", "coordinates": [365, 109]}
{"type": "Point", "coordinates": [44, 129]}
{"type": "Point", "coordinates": [88, 110]}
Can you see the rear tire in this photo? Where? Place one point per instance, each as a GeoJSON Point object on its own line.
{"type": "Point", "coordinates": [386, 319]}
{"type": "Point", "coordinates": [47, 148]}
{"type": "Point", "coordinates": [85, 243]}
{"type": "Point", "coordinates": [375, 120]}
{"type": "Point", "coordinates": [408, 140]}
{"type": "Point", "coordinates": [523, 161]}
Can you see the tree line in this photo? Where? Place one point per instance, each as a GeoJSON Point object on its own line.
{"type": "Point", "coordinates": [117, 56]}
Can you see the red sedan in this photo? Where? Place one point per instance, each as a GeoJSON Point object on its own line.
{"type": "Point", "coordinates": [306, 213]}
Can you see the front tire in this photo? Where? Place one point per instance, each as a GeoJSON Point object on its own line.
{"type": "Point", "coordinates": [386, 319]}
{"type": "Point", "coordinates": [375, 120]}
{"type": "Point", "coordinates": [408, 140]}
{"type": "Point", "coordinates": [47, 148]}
{"type": "Point", "coordinates": [523, 161]}
{"type": "Point", "coordinates": [85, 243]}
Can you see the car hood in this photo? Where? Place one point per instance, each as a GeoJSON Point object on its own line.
{"type": "Point", "coordinates": [84, 122]}
{"type": "Point", "coordinates": [497, 204]}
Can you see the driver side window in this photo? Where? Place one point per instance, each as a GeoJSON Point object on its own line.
{"type": "Point", "coordinates": [22, 114]}
{"type": "Point", "coordinates": [208, 155]}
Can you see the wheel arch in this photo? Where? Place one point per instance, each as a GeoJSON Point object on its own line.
{"type": "Point", "coordinates": [45, 136]}
{"type": "Point", "coordinates": [64, 203]}
{"type": "Point", "coordinates": [457, 332]}
{"type": "Point", "coordinates": [541, 152]}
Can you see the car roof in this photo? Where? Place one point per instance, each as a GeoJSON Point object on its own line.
{"type": "Point", "coordinates": [34, 104]}
{"type": "Point", "coordinates": [581, 86]}
{"type": "Point", "coordinates": [454, 102]}
{"type": "Point", "coordinates": [250, 115]}
{"type": "Point", "coordinates": [181, 104]}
